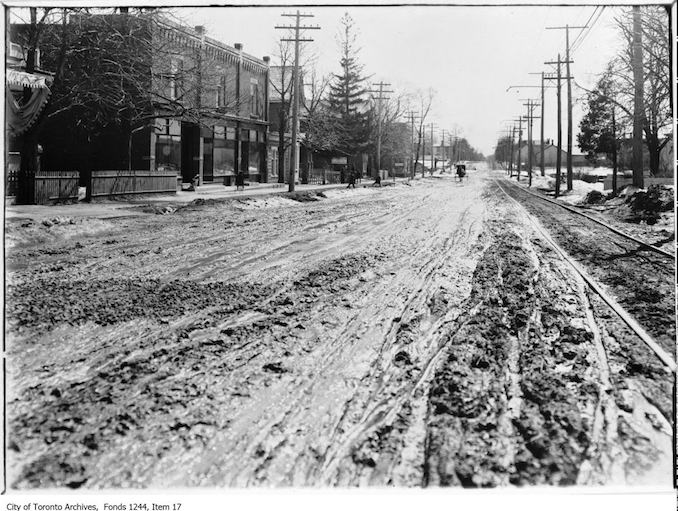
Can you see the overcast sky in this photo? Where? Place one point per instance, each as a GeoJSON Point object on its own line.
{"type": "Point", "coordinates": [469, 55]}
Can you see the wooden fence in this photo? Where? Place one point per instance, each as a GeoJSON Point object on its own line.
{"type": "Point", "coordinates": [324, 177]}
{"type": "Point", "coordinates": [51, 185]}
{"type": "Point", "coordinates": [12, 173]}
{"type": "Point", "coordinates": [125, 182]}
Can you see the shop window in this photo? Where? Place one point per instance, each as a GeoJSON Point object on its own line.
{"type": "Point", "coordinates": [224, 157]}
{"type": "Point", "coordinates": [221, 92]}
{"type": "Point", "coordinates": [253, 164]}
{"type": "Point", "coordinates": [254, 97]}
{"type": "Point", "coordinates": [168, 153]}
{"type": "Point", "coordinates": [176, 78]}
{"type": "Point", "coordinates": [273, 162]}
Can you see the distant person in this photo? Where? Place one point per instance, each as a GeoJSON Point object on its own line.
{"type": "Point", "coordinates": [377, 180]}
{"type": "Point", "coordinates": [351, 177]}
{"type": "Point", "coordinates": [240, 181]}
{"type": "Point", "coordinates": [461, 171]}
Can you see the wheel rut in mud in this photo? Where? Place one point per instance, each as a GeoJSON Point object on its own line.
{"type": "Point", "coordinates": [526, 396]}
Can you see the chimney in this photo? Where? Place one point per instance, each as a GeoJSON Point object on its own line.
{"type": "Point", "coordinates": [238, 46]}
{"type": "Point", "coordinates": [200, 29]}
{"type": "Point", "coordinates": [267, 60]}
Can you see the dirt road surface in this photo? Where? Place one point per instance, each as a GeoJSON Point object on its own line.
{"type": "Point", "coordinates": [410, 335]}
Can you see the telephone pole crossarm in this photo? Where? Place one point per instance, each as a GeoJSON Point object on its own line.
{"type": "Point", "coordinates": [297, 39]}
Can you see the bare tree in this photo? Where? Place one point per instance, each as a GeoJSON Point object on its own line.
{"type": "Point", "coordinates": [110, 68]}
{"type": "Point", "coordinates": [656, 77]}
{"type": "Point", "coordinates": [320, 131]}
{"type": "Point", "coordinates": [423, 103]}
{"type": "Point", "coordinates": [281, 88]}
{"type": "Point", "coordinates": [388, 114]}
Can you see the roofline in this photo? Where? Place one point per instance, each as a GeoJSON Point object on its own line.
{"type": "Point", "coordinates": [190, 32]}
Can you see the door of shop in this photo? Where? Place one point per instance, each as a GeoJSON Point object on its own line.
{"type": "Point", "coordinates": [207, 160]}
{"type": "Point", "coordinates": [190, 151]}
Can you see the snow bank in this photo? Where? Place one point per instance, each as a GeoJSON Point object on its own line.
{"type": "Point", "coordinates": [55, 229]}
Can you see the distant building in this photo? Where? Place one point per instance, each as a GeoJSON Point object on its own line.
{"type": "Point", "coordinates": [550, 156]}
{"type": "Point", "coordinates": [280, 79]}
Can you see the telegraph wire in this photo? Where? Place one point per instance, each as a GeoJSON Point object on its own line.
{"type": "Point", "coordinates": [580, 41]}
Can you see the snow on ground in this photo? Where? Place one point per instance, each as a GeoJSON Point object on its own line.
{"type": "Point", "coordinates": [26, 232]}
{"type": "Point", "coordinates": [579, 188]}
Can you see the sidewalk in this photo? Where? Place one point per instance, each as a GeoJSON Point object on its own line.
{"type": "Point", "coordinates": [111, 208]}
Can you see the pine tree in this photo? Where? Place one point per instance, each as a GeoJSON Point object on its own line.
{"type": "Point", "coordinates": [597, 132]}
{"type": "Point", "coordinates": [347, 95]}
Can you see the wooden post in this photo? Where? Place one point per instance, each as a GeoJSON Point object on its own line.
{"type": "Point", "coordinates": [638, 104]}
{"type": "Point", "coordinates": [614, 152]}
{"type": "Point", "coordinates": [543, 170]}
{"type": "Point", "coordinates": [569, 108]}
{"type": "Point", "coordinates": [560, 133]}
{"type": "Point", "coordinates": [513, 136]}
{"type": "Point", "coordinates": [520, 143]}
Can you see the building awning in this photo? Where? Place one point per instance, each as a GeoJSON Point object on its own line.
{"type": "Point", "coordinates": [21, 116]}
{"type": "Point", "coordinates": [24, 79]}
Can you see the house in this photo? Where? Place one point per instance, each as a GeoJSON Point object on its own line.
{"type": "Point", "coordinates": [550, 156]}
{"type": "Point", "coordinates": [25, 96]}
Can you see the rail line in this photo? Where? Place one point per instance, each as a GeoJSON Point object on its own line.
{"type": "Point", "coordinates": [599, 222]}
{"type": "Point", "coordinates": [665, 357]}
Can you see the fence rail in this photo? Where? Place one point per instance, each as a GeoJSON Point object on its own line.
{"type": "Point", "coordinates": [126, 182]}
{"type": "Point", "coordinates": [53, 185]}
{"type": "Point", "coordinates": [322, 177]}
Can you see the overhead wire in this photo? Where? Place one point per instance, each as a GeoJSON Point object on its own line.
{"type": "Point", "coordinates": [581, 41]}
{"type": "Point", "coordinates": [585, 26]}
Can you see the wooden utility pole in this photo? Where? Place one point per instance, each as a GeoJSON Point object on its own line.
{"type": "Point", "coordinates": [638, 103]}
{"type": "Point", "coordinates": [541, 129]}
{"type": "Point", "coordinates": [422, 137]}
{"type": "Point", "coordinates": [412, 116]}
{"type": "Point", "coordinates": [513, 136]}
{"type": "Point", "coordinates": [297, 27]}
{"type": "Point", "coordinates": [432, 147]}
{"type": "Point", "coordinates": [519, 120]}
{"type": "Point", "coordinates": [380, 98]}
{"type": "Point", "coordinates": [529, 118]}
{"type": "Point", "coordinates": [569, 98]}
{"type": "Point", "coordinates": [558, 79]}
{"type": "Point", "coordinates": [520, 143]}
{"type": "Point", "coordinates": [614, 150]}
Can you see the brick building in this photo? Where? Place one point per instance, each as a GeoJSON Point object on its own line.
{"type": "Point", "coordinates": [200, 109]}
{"type": "Point", "coordinates": [227, 90]}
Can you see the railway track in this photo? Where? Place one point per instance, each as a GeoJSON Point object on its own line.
{"type": "Point", "coordinates": [634, 278]}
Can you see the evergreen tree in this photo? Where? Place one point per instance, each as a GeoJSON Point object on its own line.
{"type": "Point", "coordinates": [347, 95]}
{"type": "Point", "coordinates": [597, 133]}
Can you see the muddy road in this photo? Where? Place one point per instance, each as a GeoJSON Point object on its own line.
{"type": "Point", "coordinates": [415, 335]}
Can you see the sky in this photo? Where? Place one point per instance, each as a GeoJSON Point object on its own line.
{"type": "Point", "coordinates": [469, 55]}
